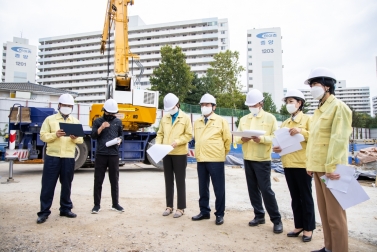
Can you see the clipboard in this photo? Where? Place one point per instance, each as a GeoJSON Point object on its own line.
{"type": "Point", "coordinates": [72, 129]}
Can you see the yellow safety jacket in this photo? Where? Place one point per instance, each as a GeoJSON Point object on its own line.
{"type": "Point", "coordinates": [180, 132]}
{"type": "Point", "coordinates": [297, 159]}
{"type": "Point", "coordinates": [212, 140]}
{"type": "Point", "coordinates": [263, 121]}
{"type": "Point", "coordinates": [63, 147]}
{"type": "Point", "coordinates": [330, 129]}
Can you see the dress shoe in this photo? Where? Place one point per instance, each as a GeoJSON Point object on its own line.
{"type": "Point", "coordinates": [307, 238]}
{"type": "Point", "coordinates": [200, 217]}
{"type": "Point", "coordinates": [293, 234]}
{"type": "Point", "coordinates": [68, 214]}
{"type": "Point", "coordinates": [321, 250]}
{"type": "Point", "coordinates": [219, 220]}
{"type": "Point", "coordinates": [278, 228]}
{"type": "Point", "coordinates": [257, 221]}
{"type": "Point", "coordinates": [42, 219]}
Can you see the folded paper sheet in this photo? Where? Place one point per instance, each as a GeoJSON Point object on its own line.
{"type": "Point", "coordinates": [347, 191]}
{"type": "Point", "coordinates": [113, 142]}
{"type": "Point", "coordinates": [286, 142]}
{"type": "Point", "coordinates": [159, 151]}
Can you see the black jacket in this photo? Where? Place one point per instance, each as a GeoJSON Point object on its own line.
{"type": "Point", "coordinates": [107, 134]}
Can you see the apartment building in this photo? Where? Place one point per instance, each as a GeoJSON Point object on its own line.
{"type": "Point", "coordinates": [73, 62]}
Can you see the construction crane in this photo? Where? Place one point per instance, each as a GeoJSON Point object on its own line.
{"type": "Point", "coordinates": [137, 107]}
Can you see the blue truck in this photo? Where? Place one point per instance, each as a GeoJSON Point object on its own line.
{"type": "Point", "coordinates": [27, 122]}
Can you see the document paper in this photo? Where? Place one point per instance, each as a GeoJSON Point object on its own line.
{"type": "Point", "coordinates": [342, 184]}
{"type": "Point", "coordinates": [286, 142]}
{"type": "Point", "coordinates": [248, 133]}
{"type": "Point", "coordinates": [113, 142]}
{"type": "Point", "coordinates": [159, 151]}
{"type": "Point", "coordinates": [347, 191]}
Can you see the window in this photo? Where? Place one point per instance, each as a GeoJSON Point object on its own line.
{"type": "Point", "coordinates": [249, 42]}
{"type": "Point", "coordinates": [249, 49]}
{"type": "Point", "coordinates": [222, 32]}
{"type": "Point", "coordinates": [250, 71]}
{"type": "Point", "coordinates": [250, 64]}
{"type": "Point", "coordinates": [223, 48]}
{"type": "Point", "coordinates": [250, 78]}
{"type": "Point", "coordinates": [249, 35]}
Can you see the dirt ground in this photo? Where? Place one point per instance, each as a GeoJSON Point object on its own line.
{"type": "Point", "coordinates": [143, 228]}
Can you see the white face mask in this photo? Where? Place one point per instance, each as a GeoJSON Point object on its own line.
{"type": "Point", "coordinates": [65, 110]}
{"type": "Point", "coordinates": [206, 110]}
{"type": "Point", "coordinates": [317, 92]}
{"type": "Point", "coordinates": [173, 111]}
{"type": "Point", "coordinates": [254, 111]}
{"type": "Point", "coordinates": [291, 108]}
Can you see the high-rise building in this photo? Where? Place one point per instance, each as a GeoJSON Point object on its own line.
{"type": "Point", "coordinates": [73, 62]}
{"type": "Point", "coordinates": [19, 61]}
{"type": "Point", "coordinates": [374, 104]}
{"type": "Point", "coordinates": [358, 98]}
{"type": "Point", "coordinates": [264, 62]}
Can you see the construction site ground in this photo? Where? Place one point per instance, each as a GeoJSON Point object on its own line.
{"type": "Point", "coordinates": [143, 228]}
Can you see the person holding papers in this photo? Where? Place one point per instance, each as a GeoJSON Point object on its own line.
{"type": "Point", "coordinates": [257, 159]}
{"type": "Point", "coordinates": [330, 129]}
{"type": "Point", "coordinates": [212, 144]}
{"type": "Point", "coordinates": [106, 129]}
{"type": "Point", "coordinates": [299, 182]}
{"type": "Point", "coordinates": [59, 161]}
{"type": "Point", "coordinates": [175, 130]}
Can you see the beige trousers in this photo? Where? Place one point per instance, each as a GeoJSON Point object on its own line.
{"type": "Point", "coordinates": [333, 217]}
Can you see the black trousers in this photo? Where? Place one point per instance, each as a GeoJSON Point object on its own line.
{"type": "Point", "coordinates": [175, 166]}
{"type": "Point", "coordinates": [300, 188]}
{"type": "Point", "coordinates": [101, 164]}
{"type": "Point", "coordinates": [258, 178]}
{"type": "Point", "coordinates": [214, 171]}
{"type": "Point", "coordinates": [54, 168]}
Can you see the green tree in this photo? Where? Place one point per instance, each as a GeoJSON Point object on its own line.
{"type": "Point", "coordinates": [268, 103]}
{"type": "Point", "coordinates": [362, 120]}
{"type": "Point", "coordinates": [173, 74]}
{"type": "Point", "coordinates": [200, 86]}
{"type": "Point", "coordinates": [224, 73]}
{"type": "Point", "coordinates": [234, 101]}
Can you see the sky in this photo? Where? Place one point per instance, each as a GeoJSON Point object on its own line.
{"type": "Point", "coordinates": [338, 34]}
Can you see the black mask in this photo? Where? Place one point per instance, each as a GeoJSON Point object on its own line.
{"type": "Point", "coordinates": [108, 117]}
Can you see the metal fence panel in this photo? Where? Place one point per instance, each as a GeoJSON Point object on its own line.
{"type": "Point", "coordinates": [189, 108]}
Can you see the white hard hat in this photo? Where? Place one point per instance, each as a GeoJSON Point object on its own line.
{"type": "Point", "coordinates": [170, 100]}
{"type": "Point", "coordinates": [66, 99]}
{"type": "Point", "coordinates": [320, 72]}
{"type": "Point", "coordinates": [111, 106]}
{"type": "Point", "coordinates": [207, 98]}
{"type": "Point", "coordinates": [293, 93]}
{"type": "Point", "coordinates": [253, 97]}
